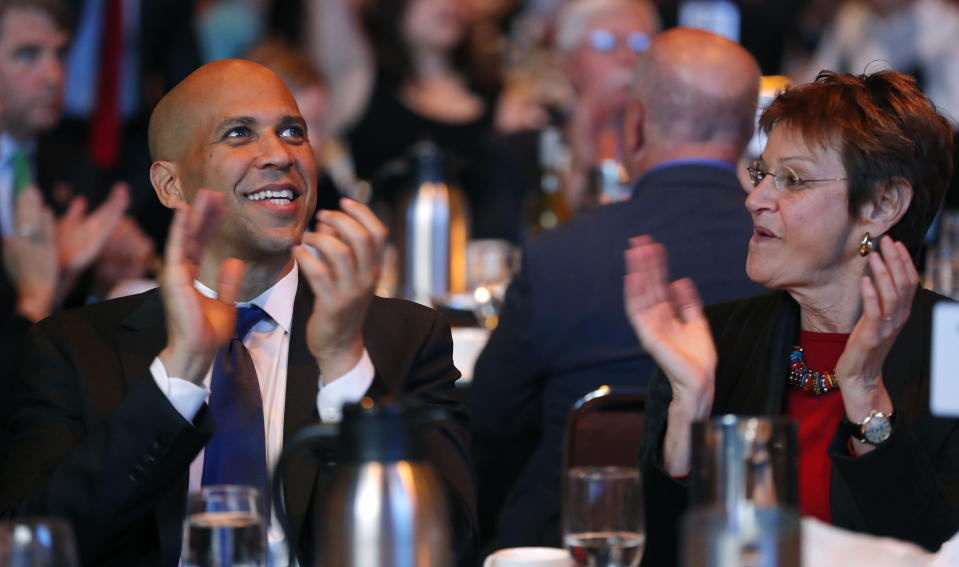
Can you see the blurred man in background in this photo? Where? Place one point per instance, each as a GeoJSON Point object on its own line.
{"type": "Point", "coordinates": [598, 43]}
{"type": "Point", "coordinates": [34, 38]}
{"type": "Point", "coordinates": [562, 331]}
{"type": "Point", "coordinates": [43, 259]}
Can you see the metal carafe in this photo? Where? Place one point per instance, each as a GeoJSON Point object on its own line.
{"type": "Point", "coordinates": [434, 230]}
{"type": "Point", "coordinates": [384, 505]}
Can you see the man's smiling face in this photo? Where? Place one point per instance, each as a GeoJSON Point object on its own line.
{"type": "Point", "coordinates": [249, 142]}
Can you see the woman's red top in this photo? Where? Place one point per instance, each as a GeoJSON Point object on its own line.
{"type": "Point", "coordinates": [818, 417]}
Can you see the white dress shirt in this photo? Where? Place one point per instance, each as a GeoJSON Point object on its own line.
{"type": "Point", "coordinates": [269, 344]}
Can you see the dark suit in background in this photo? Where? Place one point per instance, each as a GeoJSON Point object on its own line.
{"type": "Point", "coordinates": [12, 331]}
{"type": "Point", "coordinates": [98, 443]}
{"type": "Point", "coordinates": [62, 173]}
{"type": "Point", "coordinates": [563, 332]}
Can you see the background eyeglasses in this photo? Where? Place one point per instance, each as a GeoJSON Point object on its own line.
{"type": "Point", "coordinates": [785, 180]}
{"type": "Point", "coordinates": [604, 40]}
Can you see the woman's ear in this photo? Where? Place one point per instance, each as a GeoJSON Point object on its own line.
{"type": "Point", "coordinates": [889, 205]}
{"type": "Point", "coordinates": [166, 183]}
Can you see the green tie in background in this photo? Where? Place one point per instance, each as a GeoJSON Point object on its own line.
{"type": "Point", "coordinates": [22, 177]}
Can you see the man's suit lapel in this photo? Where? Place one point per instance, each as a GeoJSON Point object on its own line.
{"type": "Point", "coordinates": [301, 389]}
{"type": "Point", "coordinates": [143, 336]}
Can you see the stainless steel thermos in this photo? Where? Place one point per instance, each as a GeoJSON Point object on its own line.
{"type": "Point", "coordinates": [383, 504]}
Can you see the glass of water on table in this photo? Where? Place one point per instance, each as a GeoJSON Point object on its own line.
{"type": "Point", "coordinates": [224, 528]}
{"type": "Point", "coordinates": [603, 522]}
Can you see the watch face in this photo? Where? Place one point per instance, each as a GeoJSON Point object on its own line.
{"type": "Point", "coordinates": [877, 428]}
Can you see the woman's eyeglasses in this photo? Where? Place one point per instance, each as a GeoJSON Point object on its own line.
{"type": "Point", "coordinates": [786, 179]}
{"type": "Point", "coordinates": [604, 40]}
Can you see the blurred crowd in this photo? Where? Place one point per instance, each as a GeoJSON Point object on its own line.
{"type": "Point", "coordinates": [525, 101]}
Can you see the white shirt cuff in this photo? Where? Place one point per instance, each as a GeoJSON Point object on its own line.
{"type": "Point", "coordinates": [187, 398]}
{"type": "Point", "coordinates": [346, 389]}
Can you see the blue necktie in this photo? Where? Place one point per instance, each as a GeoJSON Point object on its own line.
{"type": "Point", "coordinates": [236, 453]}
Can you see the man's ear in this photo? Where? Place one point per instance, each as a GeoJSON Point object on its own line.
{"type": "Point", "coordinates": [888, 206]}
{"type": "Point", "coordinates": [634, 136]}
{"type": "Point", "coordinates": [166, 183]}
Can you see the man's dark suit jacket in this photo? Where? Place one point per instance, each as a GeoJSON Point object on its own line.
{"type": "Point", "coordinates": [97, 442]}
{"type": "Point", "coordinates": [907, 488]}
{"type": "Point", "coordinates": [563, 331]}
{"type": "Point", "coordinates": [62, 173]}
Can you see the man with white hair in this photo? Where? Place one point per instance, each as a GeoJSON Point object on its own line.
{"type": "Point", "coordinates": [598, 42]}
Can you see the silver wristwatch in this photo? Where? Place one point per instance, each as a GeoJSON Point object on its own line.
{"type": "Point", "coordinates": [875, 429]}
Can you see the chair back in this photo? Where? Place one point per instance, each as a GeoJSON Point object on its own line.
{"type": "Point", "coordinates": [605, 427]}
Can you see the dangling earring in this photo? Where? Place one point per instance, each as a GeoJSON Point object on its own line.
{"type": "Point", "coordinates": [865, 247]}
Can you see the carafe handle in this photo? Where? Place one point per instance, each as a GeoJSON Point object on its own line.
{"type": "Point", "coordinates": [309, 434]}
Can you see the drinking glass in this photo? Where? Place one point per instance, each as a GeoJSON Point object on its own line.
{"type": "Point", "coordinates": [37, 542]}
{"type": "Point", "coordinates": [603, 523]}
{"type": "Point", "coordinates": [489, 268]}
{"type": "Point", "coordinates": [224, 528]}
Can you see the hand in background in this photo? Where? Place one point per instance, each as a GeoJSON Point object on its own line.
{"type": "Point", "coordinates": [81, 236]}
{"type": "Point", "coordinates": [669, 321]}
{"type": "Point", "coordinates": [517, 110]}
{"type": "Point", "coordinates": [343, 274]}
{"type": "Point", "coordinates": [127, 254]}
{"type": "Point", "coordinates": [196, 325]}
{"type": "Point", "coordinates": [30, 256]}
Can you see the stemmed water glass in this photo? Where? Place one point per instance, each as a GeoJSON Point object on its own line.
{"type": "Point", "coordinates": [224, 528]}
{"type": "Point", "coordinates": [603, 517]}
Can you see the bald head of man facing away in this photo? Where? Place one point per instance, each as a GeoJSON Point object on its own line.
{"type": "Point", "coordinates": [694, 96]}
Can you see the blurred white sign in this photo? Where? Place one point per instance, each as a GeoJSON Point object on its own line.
{"type": "Point", "coordinates": [944, 390]}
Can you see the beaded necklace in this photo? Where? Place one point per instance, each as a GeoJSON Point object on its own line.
{"type": "Point", "coordinates": [802, 377]}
